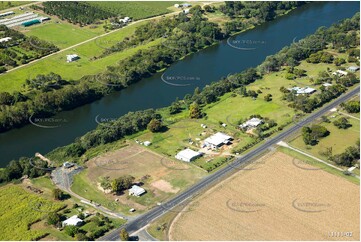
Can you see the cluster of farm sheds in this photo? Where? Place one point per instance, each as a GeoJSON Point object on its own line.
{"type": "Point", "coordinates": [26, 19]}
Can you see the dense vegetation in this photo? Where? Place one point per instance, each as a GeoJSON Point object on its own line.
{"type": "Point", "coordinates": [135, 10]}
{"type": "Point", "coordinates": [246, 14]}
{"type": "Point", "coordinates": [312, 134]}
{"type": "Point", "coordinates": [21, 49]}
{"type": "Point", "coordinates": [144, 63]}
{"type": "Point", "coordinates": [349, 157]}
{"type": "Point", "coordinates": [351, 106]}
{"type": "Point", "coordinates": [76, 12]}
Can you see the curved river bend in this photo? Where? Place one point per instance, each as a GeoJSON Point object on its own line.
{"type": "Point", "coordinates": [249, 50]}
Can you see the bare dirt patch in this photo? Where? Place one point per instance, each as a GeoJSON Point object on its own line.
{"type": "Point", "coordinates": [164, 186]}
{"type": "Point", "coordinates": [276, 201]}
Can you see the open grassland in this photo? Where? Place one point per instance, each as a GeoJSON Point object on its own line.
{"type": "Point", "coordinates": [161, 177]}
{"type": "Point", "coordinates": [13, 81]}
{"type": "Point", "coordinates": [11, 4]}
{"type": "Point", "coordinates": [61, 33]}
{"type": "Point", "coordinates": [276, 201]}
{"type": "Point", "coordinates": [338, 139]}
{"type": "Point", "coordinates": [19, 210]}
{"type": "Point", "coordinates": [136, 10]}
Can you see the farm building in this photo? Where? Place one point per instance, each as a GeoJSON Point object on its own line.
{"type": "Point", "coordinates": [177, 5]}
{"type": "Point", "coordinates": [147, 143]}
{"type": "Point", "coordinates": [31, 22]}
{"type": "Point", "coordinates": [339, 73]}
{"type": "Point", "coordinates": [186, 11]}
{"type": "Point", "coordinates": [71, 58]}
{"type": "Point", "coordinates": [217, 140]}
{"type": "Point", "coordinates": [136, 191]}
{"type": "Point", "coordinates": [6, 14]}
{"type": "Point", "coordinates": [353, 68]}
{"type": "Point", "coordinates": [186, 5]}
{"type": "Point", "coordinates": [252, 123]}
{"type": "Point", "coordinates": [6, 39]}
{"type": "Point", "coordinates": [326, 84]}
{"type": "Point", "coordinates": [302, 90]}
{"type": "Point", "coordinates": [187, 155]}
{"type": "Point", "coordinates": [73, 221]}
{"type": "Point", "coordinates": [42, 19]}
{"type": "Point", "coordinates": [68, 164]}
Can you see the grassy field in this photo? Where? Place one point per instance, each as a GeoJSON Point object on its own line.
{"type": "Point", "coordinates": [247, 207]}
{"type": "Point", "coordinates": [13, 81]}
{"type": "Point", "coordinates": [10, 4]}
{"type": "Point", "coordinates": [161, 177]}
{"type": "Point", "coordinates": [20, 209]}
{"type": "Point", "coordinates": [336, 139]}
{"type": "Point", "coordinates": [136, 10]}
{"type": "Point", "coordinates": [61, 33]}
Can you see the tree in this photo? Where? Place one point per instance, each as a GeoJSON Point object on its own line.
{"type": "Point", "coordinates": [71, 230]}
{"type": "Point", "coordinates": [58, 194]}
{"type": "Point", "coordinates": [53, 218]}
{"type": "Point", "coordinates": [342, 123]}
{"type": "Point", "coordinates": [124, 236]}
{"type": "Point", "coordinates": [81, 237]}
{"type": "Point", "coordinates": [155, 125]}
{"type": "Point", "coordinates": [351, 106]}
{"type": "Point", "coordinates": [268, 97]}
{"type": "Point", "coordinates": [122, 183]}
{"type": "Point", "coordinates": [195, 111]}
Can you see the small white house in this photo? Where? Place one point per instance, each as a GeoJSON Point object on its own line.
{"type": "Point", "coordinates": [73, 220]}
{"type": "Point", "coordinates": [6, 39]}
{"type": "Point", "coordinates": [353, 68]}
{"type": "Point", "coordinates": [186, 11]}
{"type": "Point", "coordinates": [217, 140]}
{"type": "Point", "coordinates": [71, 58]}
{"type": "Point", "coordinates": [177, 6]}
{"type": "Point", "coordinates": [326, 84]}
{"type": "Point", "coordinates": [302, 90]}
{"type": "Point", "coordinates": [339, 73]}
{"type": "Point", "coordinates": [252, 123]}
{"type": "Point", "coordinates": [68, 164]}
{"type": "Point", "coordinates": [187, 155]}
{"type": "Point", "coordinates": [147, 143]}
{"type": "Point", "coordinates": [136, 191]}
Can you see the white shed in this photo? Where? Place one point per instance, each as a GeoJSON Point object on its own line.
{"type": "Point", "coordinates": [73, 220]}
{"type": "Point", "coordinates": [136, 191]}
{"type": "Point", "coordinates": [187, 155]}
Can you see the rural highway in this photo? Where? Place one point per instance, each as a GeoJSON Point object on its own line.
{"type": "Point", "coordinates": [219, 175]}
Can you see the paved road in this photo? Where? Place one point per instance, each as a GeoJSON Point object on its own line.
{"type": "Point", "coordinates": [158, 211]}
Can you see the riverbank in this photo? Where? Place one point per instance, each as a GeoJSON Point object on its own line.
{"type": "Point", "coordinates": [222, 58]}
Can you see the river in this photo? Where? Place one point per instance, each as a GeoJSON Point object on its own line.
{"type": "Point", "coordinates": [245, 50]}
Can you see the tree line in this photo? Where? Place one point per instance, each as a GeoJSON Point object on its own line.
{"type": "Point", "coordinates": [76, 12]}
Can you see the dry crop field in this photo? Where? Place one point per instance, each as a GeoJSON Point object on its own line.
{"type": "Point", "coordinates": [275, 201]}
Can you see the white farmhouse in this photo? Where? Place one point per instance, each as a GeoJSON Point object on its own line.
{"type": "Point", "coordinates": [302, 90]}
{"type": "Point", "coordinates": [187, 155]}
{"type": "Point", "coordinates": [339, 73]}
{"type": "Point", "coordinates": [73, 220]}
{"type": "Point", "coordinates": [217, 140]}
{"type": "Point", "coordinates": [6, 39]}
{"type": "Point", "coordinates": [136, 191]}
{"type": "Point", "coordinates": [71, 58]}
{"type": "Point", "coordinates": [252, 123]}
